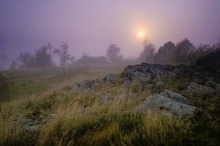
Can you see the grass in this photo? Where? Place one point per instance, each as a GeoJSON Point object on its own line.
{"type": "Point", "coordinates": [83, 118]}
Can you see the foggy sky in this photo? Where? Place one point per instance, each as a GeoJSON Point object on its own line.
{"type": "Point", "coordinates": [89, 26]}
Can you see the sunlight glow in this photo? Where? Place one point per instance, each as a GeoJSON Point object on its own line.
{"type": "Point", "coordinates": [141, 34]}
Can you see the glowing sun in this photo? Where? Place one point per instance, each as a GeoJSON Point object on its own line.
{"type": "Point", "coordinates": [141, 34]}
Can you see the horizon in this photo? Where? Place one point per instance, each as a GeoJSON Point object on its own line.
{"type": "Point", "coordinates": [91, 26]}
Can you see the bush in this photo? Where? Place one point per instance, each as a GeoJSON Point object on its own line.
{"type": "Point", "coordinates": [6, 88]}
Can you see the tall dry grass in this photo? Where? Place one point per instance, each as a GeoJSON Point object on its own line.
{"type": "Point", "coordinates": [88, 118]}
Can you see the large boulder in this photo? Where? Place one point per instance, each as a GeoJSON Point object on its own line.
{"type": "Point", "coordinates": [167, 103]}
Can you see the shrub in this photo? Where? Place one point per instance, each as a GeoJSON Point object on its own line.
{"type": "Point", "coordinates": [6, 88]}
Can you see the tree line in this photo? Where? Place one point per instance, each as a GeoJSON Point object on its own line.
{"type": "Point", "coordinates": [183, 52]}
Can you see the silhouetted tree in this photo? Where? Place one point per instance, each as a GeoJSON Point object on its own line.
{"type": "Point", "coordinates": [184, 52]}
{"type": "Point", "coordinates": [93, 60]}
{"type": "Point", "coordinates": [13, 65]}
{"type": "Point", "coordinates": [26, 59]}
{"type": "Point", "coordinates": [113, 54]}
{"type": "Point", "coordinates": [63, 54]}
{"type": "Point", "coordinates": [148, 52]}
{"type": "Point", "coordinates": [3, 61]}
{"type": "Point", "coordinates": [43, 57]}
{"type": "Point", "coordinates": [6, 88]}
{"type": "Point", "coordinates": [165, 54]}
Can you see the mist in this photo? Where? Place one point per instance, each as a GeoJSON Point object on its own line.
{"type": "Point", "coordinates": [89, 27]}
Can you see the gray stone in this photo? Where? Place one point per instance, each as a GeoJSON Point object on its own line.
{"type": "Point", "coordinates": [167, 103]}
{"type": "Point", "coordinates": [175, 96]}
{"type": "Point", "coordinates": [52, 115]}
{"type": "Point", "coordinates": [146, 72]}
{"type": "Point", "coordinates": [159, 84]}
{"type": "Point", "coordinates": [24, 121]}
{"type": "Point", "coordinates": [34, 128]}
{"type": "Point", "coordinates": [142, 77]}
{"type": "Point", "coordinates": [93, 84]}
{"type": "Point", "coordinates": [111, 78]}
{"type": "Point", "coordinates": [105, 96]}
{"type": "Point", "coordinates": [126, 83]}
{"type": "Point", "coordinates": [211, 84]}
{"type": "Point", "coordinates": [195, 89]}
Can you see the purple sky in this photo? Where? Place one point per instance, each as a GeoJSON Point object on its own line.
{"type": "Point", "coordinates": [89, 26]}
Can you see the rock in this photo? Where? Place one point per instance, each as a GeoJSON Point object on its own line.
{"type": "Point", "coordinates": [111, 78]}
{"type": "Point", "coordinates": [105, 96]}
{"type": "Point", "coordinates": [52, 115]}
{"type": "Point", "coordinates": [25, 121]}
{"type": "Point", "coordinates": [145, 72]}
{"type": "Point", "coordinates": [86, 85]}
{"type": "Point", "coordinates": [126, 83]}
{"type": "Point", "coordinates": [214, 86]}
{"type": "Point", "coordinates": [183, 86]}
{"type": "Point", "coordinates": [175, 96]}
{"type": "Point", "coordinates": [167, 103]}
{"type": "Point", "coordinates": [195, 89]}
{"type": "Point", "coordinates": [159, 84]}
{"type": "Point", "coordinates": [142, 77]}
{"type": "Point", "coordinates": [211, 84]}
{"type": "Point", "coordinates": [34, 128]}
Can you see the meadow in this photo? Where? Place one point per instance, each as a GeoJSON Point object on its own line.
{"type": "Point", "coordinates": [71, 117]}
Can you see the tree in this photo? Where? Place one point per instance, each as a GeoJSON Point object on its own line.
{"type": "Point", "coordinates": [43, 57]}
{"type": "Point", "coordinates": [63, 54]}
{"type": "Point", "coordinates": [184, 52]}
{"type": "Point", "coordinates": [26, 59]}
{"type": "Point", "coordinates": [165, 54]}
{"type": "Point", "coordinates": [3, 61]}
{"type": "Point", "coordinates": [113, 54]}
{"type": "Point", "coordinates": [148, 52]}
{"type": "Point", "coordinates": [13, 65]}
{"type": "Point", "coordinates": [85, 58]}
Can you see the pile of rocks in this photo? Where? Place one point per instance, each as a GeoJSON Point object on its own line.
{"type": "Point", "coordinates": [201, 78]}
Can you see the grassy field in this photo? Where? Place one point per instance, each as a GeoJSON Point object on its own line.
{"type": "Point", "coordinates": [78, 118]}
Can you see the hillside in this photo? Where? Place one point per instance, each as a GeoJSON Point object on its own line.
{"type": "Point", "coordinates": [146, 104]}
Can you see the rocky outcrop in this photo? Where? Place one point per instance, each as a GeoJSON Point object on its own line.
{"type": "Point", "coordinates": [145, 72]}
{"type": "Point", "coordinates": [199, 79]}
{"type": "Point", "coordinates": [167, 103]}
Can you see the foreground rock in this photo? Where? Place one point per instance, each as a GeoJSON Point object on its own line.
{"type": "Point", "coordinates": [167, 103]}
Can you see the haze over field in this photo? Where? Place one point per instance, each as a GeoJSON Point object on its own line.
{"type": "Point", "coordinates": [89, 26]}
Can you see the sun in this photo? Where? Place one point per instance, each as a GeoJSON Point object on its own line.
{"type": "Point", "coordinates": [141, 34]}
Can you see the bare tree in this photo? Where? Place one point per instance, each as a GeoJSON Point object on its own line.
{"type": "Point", "coordinates": [63, 54]}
